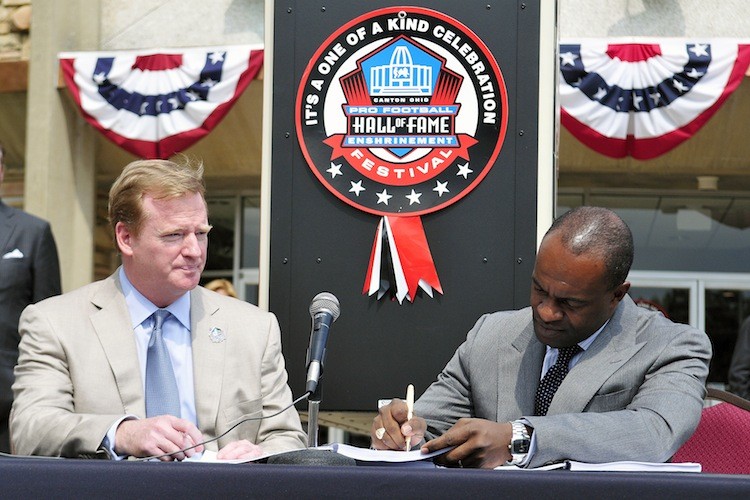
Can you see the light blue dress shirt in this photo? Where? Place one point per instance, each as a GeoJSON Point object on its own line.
{"type": "Point", "coordinates": [176, 333]}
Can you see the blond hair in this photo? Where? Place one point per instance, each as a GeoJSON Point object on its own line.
{"type": "Point", "coordinates": [220, 284]}
{"type": "Point", "coordinates": [161, 179]}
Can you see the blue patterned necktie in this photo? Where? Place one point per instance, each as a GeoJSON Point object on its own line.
{"type": "Point", "coordinates": [162, 397]}
{"type": "Point", "coordinates": [553, 378]}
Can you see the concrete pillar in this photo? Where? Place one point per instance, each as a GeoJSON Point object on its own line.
{"type": "Point", "coordinates": [60, 146]}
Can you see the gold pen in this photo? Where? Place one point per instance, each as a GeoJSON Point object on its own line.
{"type": "Point", "coordinates": [410, 410]}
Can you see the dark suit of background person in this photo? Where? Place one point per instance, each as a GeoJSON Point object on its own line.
{"type": "Point", "coordinates": [636, 392]}
{"type": "Point", "coordinates": [739, 369]}
{"type": "Point", "coordinates": [79, 370]}
{"type": "Point", "coordinates": [29, 272]}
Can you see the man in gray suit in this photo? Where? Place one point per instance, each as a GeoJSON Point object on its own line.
{"type": "Point", "coordinates": [146, 363]}
{"type": "Point", "coordinates": [29, 272]}
{"type": "Point", "coordinates": [633, 391]}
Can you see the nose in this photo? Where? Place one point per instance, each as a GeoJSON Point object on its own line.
{"type": "Point", "coordinates": [548, 311]}
{"type": "Point", "coordinates": [191, 246]}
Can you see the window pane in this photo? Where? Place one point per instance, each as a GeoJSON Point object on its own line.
{"type": "Point", "coordinates": [221, 212]}
{"type": "Point", "coordinates": [674, 303]}
{"type": "Point", "coordinates": [725, 311]}
{"type": "Point", "coordinates": [250, 231]}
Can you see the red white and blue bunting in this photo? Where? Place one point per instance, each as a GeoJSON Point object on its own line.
{"type": "Point", "coordinates": [157, 103]}
{"type": "Point", "coordinates": [643, 99]}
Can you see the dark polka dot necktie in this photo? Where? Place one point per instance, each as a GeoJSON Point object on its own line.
{"type": "Point", "coordinates": [553, 378]}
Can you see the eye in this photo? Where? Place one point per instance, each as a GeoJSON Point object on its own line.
{"type": "Point", "coordinates": [172, 237]}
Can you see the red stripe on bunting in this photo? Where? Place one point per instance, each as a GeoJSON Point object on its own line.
{"type": "Point", "coordinates": [158, 62]}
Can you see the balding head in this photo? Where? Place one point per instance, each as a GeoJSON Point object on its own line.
{"type": "Point", "coordinates": [601, 232]}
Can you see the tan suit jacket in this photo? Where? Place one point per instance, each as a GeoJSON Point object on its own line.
{"type": "Point", "coordinates": [78, 373]}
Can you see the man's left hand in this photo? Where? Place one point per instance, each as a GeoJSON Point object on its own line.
{"type": "Point", "coordinates": [478, 443]}
{"type": "Point", "coordinates": [240, 449]}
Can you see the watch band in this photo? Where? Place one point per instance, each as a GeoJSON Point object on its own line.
{"type": "Point", "coordinates": [520, 442]}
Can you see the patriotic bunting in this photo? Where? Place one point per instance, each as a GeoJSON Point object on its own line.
{"type": "Point", "coordinates": [644, 99]}
{"type": "Point", "coordinates": [157, 103]}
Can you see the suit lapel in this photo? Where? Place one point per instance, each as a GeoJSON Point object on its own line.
{"type": "Point", "coordinates": [6, 225]}
{"type": "Point", "coordinates": [611, 349]}
{"type": "Point", "coordinates": [112, 325]}
{"type": "Point", "coordinates": [208, 355]}
{"type": "Point", "coordinates": [517, 384]}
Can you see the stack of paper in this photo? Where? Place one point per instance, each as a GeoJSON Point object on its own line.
{"type": "Point", "coordinates": [623, 466]}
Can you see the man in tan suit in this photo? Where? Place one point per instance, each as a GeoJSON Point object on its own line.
{"type": "Point", "coordinates": [85, 378]}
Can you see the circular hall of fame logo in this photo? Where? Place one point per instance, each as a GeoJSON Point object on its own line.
{"type": "Point", "coordinates": [401, 112]}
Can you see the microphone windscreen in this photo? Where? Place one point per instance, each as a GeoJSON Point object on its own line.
{"type": "Point", "coordinates": [325, 301]}
{"type": "Point", "coordinates": [310, 456]}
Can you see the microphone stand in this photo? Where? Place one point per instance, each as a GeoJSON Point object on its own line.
{"type": "Point", "coordinates": [313, 406]}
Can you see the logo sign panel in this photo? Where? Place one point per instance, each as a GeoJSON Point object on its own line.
{"type": "Point", "coordinates": [400, 113]}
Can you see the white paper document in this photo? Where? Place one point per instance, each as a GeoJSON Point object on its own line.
{"type": "Point", "coordinates": [390, 456]}
{"type": "Point", "coordinates": [359, 454]}
{"type": "Point", "coordinates": [623, 466]}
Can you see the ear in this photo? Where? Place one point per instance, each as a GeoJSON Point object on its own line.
{"type": "Point", "coordinates": [621, 291]}
{"type": "Point", "coordinates": [124, 238]}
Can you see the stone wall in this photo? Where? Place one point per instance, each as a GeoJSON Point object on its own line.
{"type": "Point", "coordinates": [15, 23]}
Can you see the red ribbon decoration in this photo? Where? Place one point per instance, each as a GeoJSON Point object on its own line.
{"type": "Point", "coordinates": [409, 263]}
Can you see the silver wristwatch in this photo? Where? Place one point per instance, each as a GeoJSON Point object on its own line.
{"type": "Point", "coordinates": [520, 442]}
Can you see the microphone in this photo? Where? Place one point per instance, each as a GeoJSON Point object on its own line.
{"type": "Point", "coordinates": [324, 310]}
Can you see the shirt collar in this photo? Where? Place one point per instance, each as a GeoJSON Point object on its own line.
{"type": "Point", "coordinates": [141, 308]}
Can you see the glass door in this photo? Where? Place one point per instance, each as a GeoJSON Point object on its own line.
{"type": "Point", "coordinates": [716, 303]}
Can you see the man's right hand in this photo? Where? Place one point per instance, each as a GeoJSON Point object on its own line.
{"type": "Point", "coordinates": [160, 435]}
{"type": "Point", "coordinates": [392, 418]}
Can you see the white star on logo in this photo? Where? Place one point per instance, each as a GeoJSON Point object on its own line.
{"type": "Point", "coordinates": [193, 95]}
{"type": "Point", "coordinates": [679, 86]}
{"type": "Point", "coordinates": [694, 73]}
{"type": "Point", "coordinates": [413, 197]}
{"type": "Point", "coordinates": [384, 197]}
{"type": "Point", "coordinates": [209, 82]}
{"type": "Point", "coordinates": [568, 58]}
{"type": "Point", "coordinates": [600, 93]}
{"type": "Point", "coordinates": [356, 187]}
{"type": "Point", "coordinates": [441, 188]}
{"type": "Point", "coordinates": [99, 78]}
{"type": "Point", "coordinates": [699, 49]}
{"type": "Point", "coordinates": [464, 170]}
{"type": "Point", "coordinates": [656, 97]}
{"type": "Point", "coordinates": [334, 170]}
{"type": "Point", "coordinates": [143, 108]}
{"type": "Point", "coordinates": [216, 57]}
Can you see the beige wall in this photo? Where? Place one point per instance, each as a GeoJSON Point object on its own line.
{"type": "Point", "coordinates": [664, 18]}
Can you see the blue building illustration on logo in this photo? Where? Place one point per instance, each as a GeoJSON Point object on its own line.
{"type": "Point", "coordinates": [401, 69]}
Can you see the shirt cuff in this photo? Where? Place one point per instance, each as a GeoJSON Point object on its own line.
{"type": "Point", "coordinates": [108, 443]}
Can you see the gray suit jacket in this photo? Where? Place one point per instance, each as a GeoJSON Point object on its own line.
{"type": "Point", "coordinates": [636, 393]}
{"type": "Point", "coordinates": [29, 272]}
{"type": "Point", "coordinates": [78, 373]}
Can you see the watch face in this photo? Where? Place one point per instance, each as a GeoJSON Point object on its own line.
{"type": "Point", "coordinates": [520, 446]}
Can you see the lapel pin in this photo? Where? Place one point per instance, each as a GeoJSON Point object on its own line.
{"type": "Point", "coordinates": [217, 335]}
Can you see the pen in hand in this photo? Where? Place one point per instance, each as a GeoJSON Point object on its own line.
{"type": "Point", "coordinates": [410, 410]}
